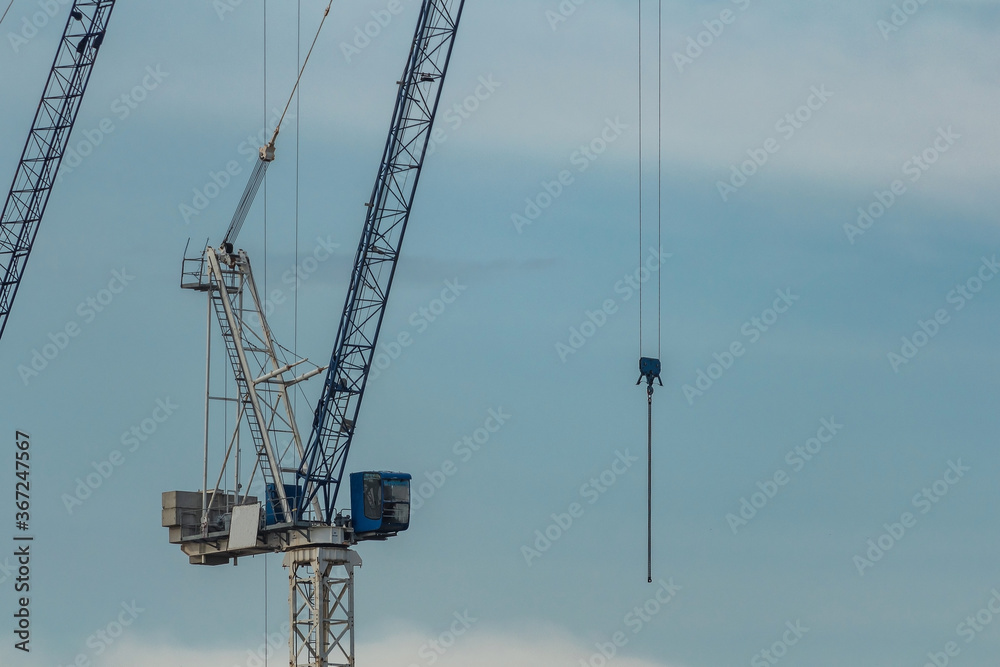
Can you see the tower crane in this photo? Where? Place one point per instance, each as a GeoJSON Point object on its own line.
{"type": "Point", "coordinates": [302, 478]}
{"type": "Point", "coordinates": [43, 151]}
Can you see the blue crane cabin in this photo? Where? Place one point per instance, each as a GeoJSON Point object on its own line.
{"type": "Point", "coordinates": [380, 503]}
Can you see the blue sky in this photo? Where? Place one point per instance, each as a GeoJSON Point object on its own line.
{"type": "Point", "coordinates": [879, 97]}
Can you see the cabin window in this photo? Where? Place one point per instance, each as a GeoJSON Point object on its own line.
{"type": "Point", "coordinates": [373, 496]}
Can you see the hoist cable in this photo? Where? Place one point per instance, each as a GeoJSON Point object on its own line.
{"type": "Point", "coordinates": [298, 125]}
{"type": "Point", "coordinates": [659, 290]}
{"type": "Point", "coordinates": [302, 70]}
{"type": "Point", "coordinates": [640, 170]}
{"type": "Point", "coordinates": [11, 4]}
{"type": "Point", "coordinates": [275, 134]}
{"type": "Point", "coordinates": [246, 201]}
{"type": "Point", "coordinates": [265, 608]}
{"type": "Point", "coordinates": [659, 174]}
{"type": "Point", "coordinates": [649, 489]}
{"type": "Point", "coordinates": [649, 368]}
{"type": "Point", "coordinates": [263, 171]}
{"type": "Point", "coordinates": [267, 152]}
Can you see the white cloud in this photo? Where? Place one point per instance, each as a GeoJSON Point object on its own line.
{"type": "Point", "coordinates": [534, 648]}
{"type": "Point", "coordinates": [484, 649]}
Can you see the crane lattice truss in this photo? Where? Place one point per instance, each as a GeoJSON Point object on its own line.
{"type": "Point", "coordinates": [47, 141]}
{"type": "Point", "coordinates": [321, 601]}
{"type": "Point", "coordinates": [316, 540]}
{"type": "Point", "coordinates": [320, 564]}
{"type": "Point", "coordinates": [258, 368]}
{"type": "Point", "coordinates": [322, 469]}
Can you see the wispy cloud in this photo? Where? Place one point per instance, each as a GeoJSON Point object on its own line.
{"type": "Point", "coordinates": [403, 648]}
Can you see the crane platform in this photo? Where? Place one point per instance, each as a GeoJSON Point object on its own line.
{"type": "Point", "coordinates": [234, 530]}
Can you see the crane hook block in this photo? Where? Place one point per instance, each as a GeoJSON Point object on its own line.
{"type": "Point", "coordinates": [649, 369]}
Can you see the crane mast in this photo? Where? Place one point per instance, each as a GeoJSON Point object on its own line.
{"type": "Point", "coordinates": [322, 470]}
{"type": "Point", "coordinates": [47, 141]}
{"type": "Point", "coordinates": [301, 479]}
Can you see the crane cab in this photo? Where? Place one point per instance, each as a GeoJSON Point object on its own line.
{"type": "Point", "coordinates": [380, 504]}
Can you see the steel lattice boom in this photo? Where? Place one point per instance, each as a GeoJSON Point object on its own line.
{"type": "Point", "coordinates": [46, 144]}
{"type": "Point", "coordinates": [322, 469]}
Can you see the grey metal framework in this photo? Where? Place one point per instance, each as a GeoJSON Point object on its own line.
{"type": "Point", "coordinates": [317, 542]}
{"type": "Point", "coordinates": [47, 141]}
{"type": "Point", "coordinates": [258, 369]}
{"type": "Point", "coordinates": [321, 603]}
{"type": "Point", "coordinates": [322, 469]}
